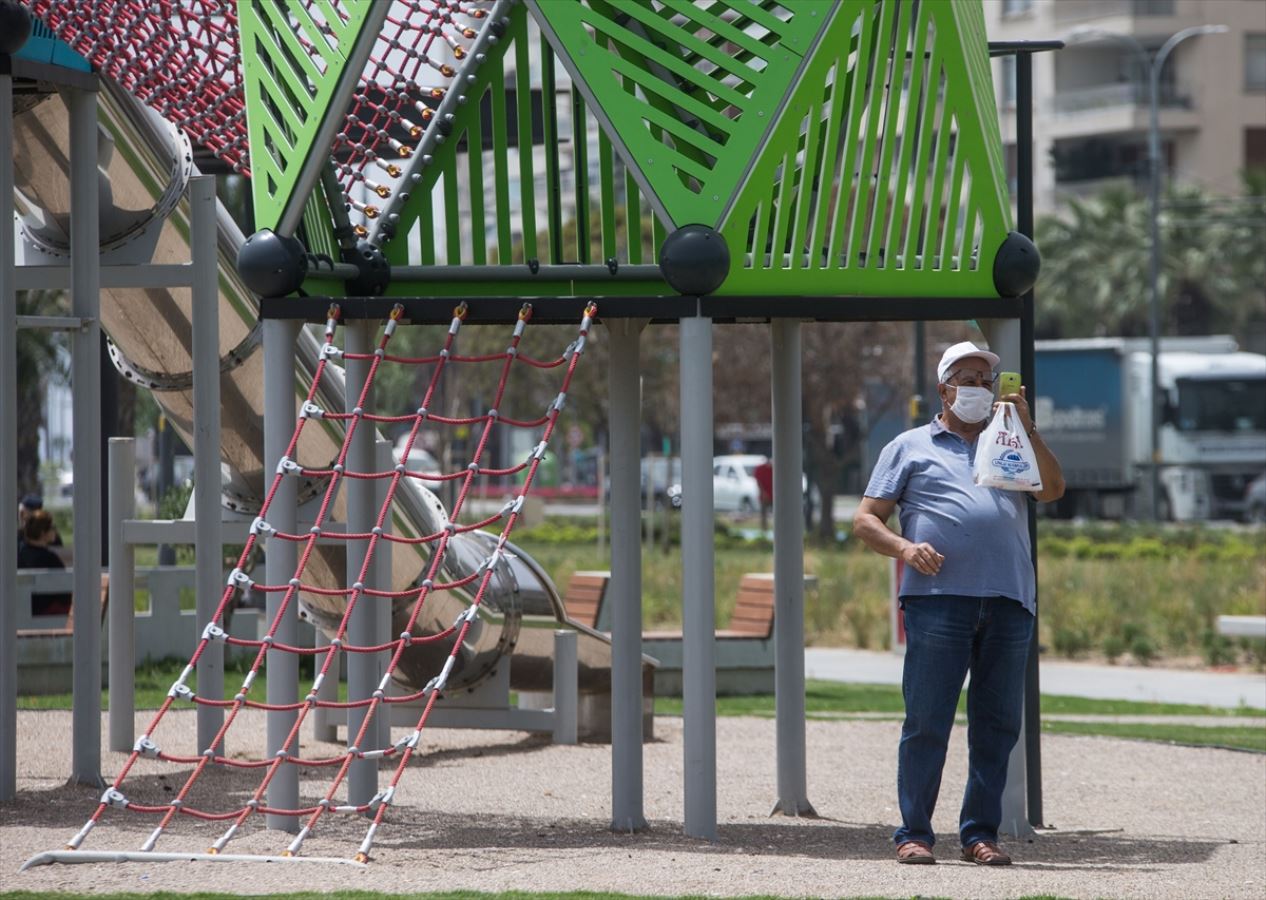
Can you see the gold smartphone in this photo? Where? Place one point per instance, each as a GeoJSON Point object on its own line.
{"type": "Point", "coordinates": [1008, 383]}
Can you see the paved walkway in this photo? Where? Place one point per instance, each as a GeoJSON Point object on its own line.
{"type": "Point", "coordinates": [1074, 679]}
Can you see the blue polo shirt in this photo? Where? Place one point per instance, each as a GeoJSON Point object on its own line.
{"type": "Point", "coordinates": [983, 533]}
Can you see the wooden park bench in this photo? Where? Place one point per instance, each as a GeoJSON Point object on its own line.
{"type": "Point", "coordinates": [744, 648]}
{"type": "Point", "coordinates": [584, 598]}
{"type": "Point", "coordinates": [45, 646]}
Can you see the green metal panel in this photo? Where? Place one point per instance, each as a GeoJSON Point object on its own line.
{"type": "Point", "coordinates": [709, 82]}
{"type": "Point", "coordinates": [890, 146]}
{"type": "Point", "coordinates": [292, 58]}
{"type": "Point", "coordinates": [851, 146]}
{"type": "Point", "coordinates": [465, 193]}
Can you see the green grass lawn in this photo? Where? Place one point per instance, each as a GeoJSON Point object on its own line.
{"type": "Point", "coordinates": [831, 700]}
{"type": "Point", "coordinates": [370, 895]}
{"type": "Point", "coordinates": [836, 698]}
{"type": "Point", "coordinates": [1231, 737]}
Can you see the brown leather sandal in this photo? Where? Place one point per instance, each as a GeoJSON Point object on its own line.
{"type": "Point", "coordinates": [985, 853]}
{"type": "Point", "coordinates": [915, 853]}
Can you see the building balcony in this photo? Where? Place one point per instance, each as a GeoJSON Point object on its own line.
{"type": "Point", "coordinates": [1119, 108]}
{"type": "Point", "coordinates": [1116, 95]}
{"type": "Point", "coordinates": [1093, 186]}
{"type": "Point", "coordinates": [1072, 12]}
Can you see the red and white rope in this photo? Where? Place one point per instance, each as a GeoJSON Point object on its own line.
{"type": "Point", "coordinates": [329, 657]}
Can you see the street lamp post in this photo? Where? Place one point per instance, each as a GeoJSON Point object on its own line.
{"type": "Point", "coordinates": [1152, 65]}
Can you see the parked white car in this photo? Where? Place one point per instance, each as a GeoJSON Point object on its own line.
{"type": "Point", "coordinates": [420, 459]}
{"type": "Point", "coordinates": [734, 487]}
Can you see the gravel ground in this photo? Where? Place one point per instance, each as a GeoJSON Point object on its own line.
{"type": "Point", "coordinates": [498, 811]}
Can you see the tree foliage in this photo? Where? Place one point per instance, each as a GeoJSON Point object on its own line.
{"type": "Point", "coordinates": [1096, 264]}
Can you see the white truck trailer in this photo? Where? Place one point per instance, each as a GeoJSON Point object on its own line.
{"type": "Point", "coordinates": [1093, 406]}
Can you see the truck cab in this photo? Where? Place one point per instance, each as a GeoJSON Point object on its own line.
{"type": "Point", "coordinates": [1212, 432]}
{"type": "Point", "coordinates": [1093, 403]}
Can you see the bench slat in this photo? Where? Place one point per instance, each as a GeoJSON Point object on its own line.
{"type": "Point", "coordinates": [584, 596]}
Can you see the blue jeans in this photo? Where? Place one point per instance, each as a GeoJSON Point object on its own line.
{"type": "Point", "coordinates": [947, 637]}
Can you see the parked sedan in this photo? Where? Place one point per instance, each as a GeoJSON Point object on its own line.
{"type": "Point", "coordinates": [734, 486]}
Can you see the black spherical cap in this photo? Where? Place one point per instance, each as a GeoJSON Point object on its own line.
{"type": "Point", "coordinates": [15, 26]}
{"type": "Point", "coordinates": [1016, 266]}
{"type": "Point", "coordinates": [375, 271]}
{"type": "Point", "coordinates": [272, 265]}
{"type": "Point", "coordinates": [694, 260]}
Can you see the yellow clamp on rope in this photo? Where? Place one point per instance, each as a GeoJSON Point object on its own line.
{"type": "Point", "coordinates": [459, 312]}
{"type": "Point", "coordinates": [397, 311]}
{"type": "Point", "coordinates": [332, 312]}
{"type": "Point", "coordinates": [591, 310]}
{"type": "Point", "coordinates": [525, 312]}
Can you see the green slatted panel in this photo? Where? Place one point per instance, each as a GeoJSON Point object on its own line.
{"type": "Point", "coordinates": [709, 78]}
{"type": "Point", "coordinates": [867, 189]}
{"type": "Point", "coordinates": [291, 64]}
{"type": "Point", "coordinates": [446, 219]}
{"type": "Point", "coordinates": [848, 187]}
{"type": "Point", "coordinates": [318, 231]}
{"type": "Point", "coordinates": [501, 162]}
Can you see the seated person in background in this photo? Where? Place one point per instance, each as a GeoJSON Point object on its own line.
{"type": "Point", "coordinates": [30, 503]}
{"type": "Point", "coordinates": [34, 553]}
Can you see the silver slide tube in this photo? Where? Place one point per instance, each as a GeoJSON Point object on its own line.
{"type": "Point", "coordinates": [150, 330]}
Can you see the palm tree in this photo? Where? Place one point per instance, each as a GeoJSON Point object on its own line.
{"type": "Point", "coordinates": [1096, 256]}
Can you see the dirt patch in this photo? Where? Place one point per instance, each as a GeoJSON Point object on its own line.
{"type": "Point", "coordinates": [494, 811]}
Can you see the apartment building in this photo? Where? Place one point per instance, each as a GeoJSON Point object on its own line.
{"type": "Point", "coordinates": [1091, 99]}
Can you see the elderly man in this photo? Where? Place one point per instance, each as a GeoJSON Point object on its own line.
{"type": "Point", "coordinates": [968, 595]}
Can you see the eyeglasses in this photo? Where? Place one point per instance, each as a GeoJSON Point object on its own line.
{"type": "Point", "coordinates": [970, 379]}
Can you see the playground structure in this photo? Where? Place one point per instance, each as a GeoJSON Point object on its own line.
{"type": "Point", "coordinates": [702, 110]}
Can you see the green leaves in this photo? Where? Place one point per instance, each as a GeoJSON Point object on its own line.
{"type": "Point", "coordinates": [1096, 261]}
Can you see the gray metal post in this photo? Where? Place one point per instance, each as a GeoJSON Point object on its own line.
{"type": "Point", "coordinates": [625, 587]}
{"type": "Point", "coordinates": [793, 799]}
{"type": "Point", "coordinates": [382, 578]}
{"type": "Point", "coordinates": [1154, 263]}
{"type": "Point", "coordinates": [566, 687]}
{"type": "Point", "coordinates": [1003, 336]}
{"type": "Point", "coordinates": [122, 622]}
{"type": "Point", "coordinates": [209, 548]}
{"type": "Point", "coordinates": [324, 726]}
{"type": "Point", "coordinates": [1032, 734]}
{"type": "Point", "coordinates": [85, 292]}
{"type": "Point", "coordinates": [699, 677]}
{"type": "Point", "coordinates": [1153, 274]}
{"type": "Point", "coordinates": [281, 558]}
{"type": "Point", "coordinates": [8, 459]}
{"type": "Point", "coordinates": [362, 669]}
{"type": "Point", "coordinates": [1152, 66]}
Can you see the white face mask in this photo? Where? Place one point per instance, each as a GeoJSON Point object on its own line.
{"type": "Point", "coordinates": [972, 404]}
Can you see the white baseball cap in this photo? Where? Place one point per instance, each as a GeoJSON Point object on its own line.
{"type": "Point", "coordinates": [962, 350]}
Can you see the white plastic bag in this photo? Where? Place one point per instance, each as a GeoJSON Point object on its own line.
{"type": "Point", "coordinates": [1004, 457]}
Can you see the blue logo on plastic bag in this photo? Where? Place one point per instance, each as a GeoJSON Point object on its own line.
{"type": "Point", "coordinates": [1011, 463]}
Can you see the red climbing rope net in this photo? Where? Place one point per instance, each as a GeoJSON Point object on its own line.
{"type": "Point", "coordinates": [184, 59]}
{"type": "Point", "coordinates": [328, 658]}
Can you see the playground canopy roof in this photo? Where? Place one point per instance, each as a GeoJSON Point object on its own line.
{"type": "Point", "coordinates": [845, 150]}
